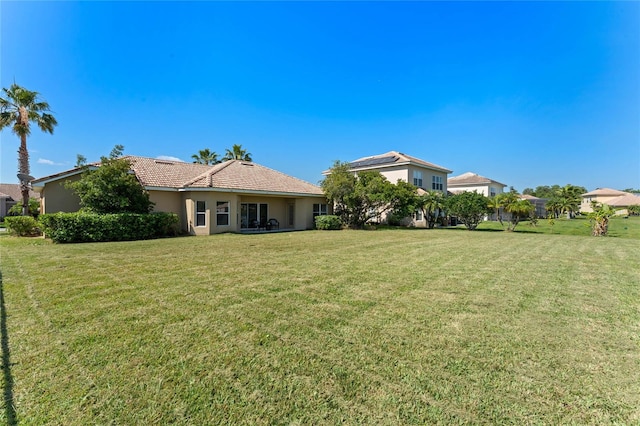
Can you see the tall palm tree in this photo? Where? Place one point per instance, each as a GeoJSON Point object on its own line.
{"type": "Point", "coordinates": [237, 153]}
{"type": "Point", "coordinates": [205, 156]}
{"type": "Point", "coordinates": [19, 108]}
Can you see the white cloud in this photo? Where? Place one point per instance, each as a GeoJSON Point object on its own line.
{"type": "Point", "coordinates": [49, 162]}
{"type": "Point", "coordinates": [168, 158]}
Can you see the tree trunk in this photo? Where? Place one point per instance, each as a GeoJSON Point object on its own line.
{"type": "Point", "coordinates": [23, 160]}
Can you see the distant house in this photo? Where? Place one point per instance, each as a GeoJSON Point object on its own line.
{"type": "Point", "coordinates": [396, 166]}
{"type": "Point", "coordinates": [612, 197]}
{"type": "Point", "coordinates": [10, 195]}
{"type": "Point", "coordinates": [540, 204]}
{"type": "Point", "coordinates": [233, 196]}
{"type": "Point", "coordinates": [470, 182]}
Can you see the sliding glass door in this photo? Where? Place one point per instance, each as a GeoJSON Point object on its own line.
{"type": "Point", "coordinates": [253, 214]}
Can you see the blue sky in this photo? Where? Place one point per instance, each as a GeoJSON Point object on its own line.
{"type": "Point", "coordinates": [525, 93]}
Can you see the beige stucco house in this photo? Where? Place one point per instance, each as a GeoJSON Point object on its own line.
{"type": "Point", "coordinates": [397, 166]}
{"type": "Point", "coordinates": [233, 196]}
{"type": "Point", "coordinates": [470, 182]}
{"type": "Point", "coordinates": [613, 197]}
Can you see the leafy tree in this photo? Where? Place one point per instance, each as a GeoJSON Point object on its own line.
{"type": "Point", "coordinates": [205, 156]}
{"type": "Point", "coordinates": [632, 190]}
{"type": "Point", "coordinates": [34, 208]}
{"type": "Point", "coordinates": [111, 187]}
{"type": "Point", "coordinates": [599, 218]}
{"type": "Point", "coordinates": [634, 210]}
{"type": "Point", "coordinates": [237, 153]}
{"type": "Point", "coordinates": [19, 108]}
{"type": "Point", "coordinates": [367, 195]}
{"type": "Point", "coordinates": [432, 204]}
{"type": "Point", "coordinates": [469, 207]}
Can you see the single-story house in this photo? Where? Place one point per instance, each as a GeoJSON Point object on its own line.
{"type": "Point", "coordinates": [233, 196]}
{"type": "Point", "coordinates": [10, 195]}
{"type": "Point", "coordinates": [613, 197]}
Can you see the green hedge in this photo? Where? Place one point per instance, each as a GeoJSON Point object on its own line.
{"type": "Point", "coordinates": [92, 227]}
{"type": "Point", "coordinates": [23, 226]}
{"type": "Point", "coordinates": [326, 222]}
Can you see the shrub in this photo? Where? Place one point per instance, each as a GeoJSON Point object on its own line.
{"type": "Point", "coordinates": [22, 226]}
{"type": "Point", "coordinates": [328, 222]}
{"type": "Point", "coordinates": [92, 227]}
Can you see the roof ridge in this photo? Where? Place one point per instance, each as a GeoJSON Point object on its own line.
{"type": "Point", "coordinates": [209, 173]}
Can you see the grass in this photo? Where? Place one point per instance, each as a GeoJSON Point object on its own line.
{"type": "Point", "coordinates": [374, 327]}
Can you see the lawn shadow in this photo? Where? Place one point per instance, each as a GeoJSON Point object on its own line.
{"type": "Point", "coordinates": [10, 411]}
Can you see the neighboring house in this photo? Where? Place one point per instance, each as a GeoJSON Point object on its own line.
{"type": "Point", "coordinates": [10, 194]}
{"type": "Point", "coordinates": [613, 197]}
{"type": "Point", "coordinates": [233, 196]}
{"type": "Point", "coordinates": [540, 204]}
{"type": "Point", "coordinates": [470, 182]}
{"type": "Point", "coordinates": [398, 166]}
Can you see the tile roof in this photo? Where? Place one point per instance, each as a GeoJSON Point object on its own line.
{"type": "Point", "coordinates": [470, 178]}
{"type": "Point", "coordinates": [242, 175]}
{"type": "Point", "coordinates": [231, 175]}
{"type": "Point", "coordinates": [604, 191]}
{"type": "Point", "coordinates": [625, 200]}
{"type": "Point", "coordinates": [12, 190]}
{"type": "Point", "coordinates": [392, 158]}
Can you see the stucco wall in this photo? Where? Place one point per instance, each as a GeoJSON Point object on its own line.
{"type": "Point", "coordinates": [56, 198]}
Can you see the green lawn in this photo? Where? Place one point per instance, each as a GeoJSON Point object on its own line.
{"type": "Point", "coordinates": [355, 327]}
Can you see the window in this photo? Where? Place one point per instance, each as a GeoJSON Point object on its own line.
{"type": "Point", "coordinates": [253, 214]}
{"type": "Point", "coordinates": [222, 213]}
{"type": "Point", "coordinates": [492, 191]}
{"type": "Point", "coordinates": [418, 215]}
{"type": "Point", "coordinates": [436, 183]}
{"type": "Point", "coordinates": [417, 178]}
{"type": "Point", "coordinates": [319, 210]}
{"type": "Point", "coordinates": [201, 213]}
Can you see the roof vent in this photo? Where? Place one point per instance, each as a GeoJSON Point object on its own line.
{"type": "Point", "coordinates": [246, 164]}
{"type": "Point", "coordinates": [164, 162]}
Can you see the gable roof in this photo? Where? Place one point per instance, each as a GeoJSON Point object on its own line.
{"type": "Point", "coordinates": [247, 176]}
{"type": "Point", "coordinates": [233, 175]}
{"type": "Point", "coordinates": [470, 178]}
{"type": "Point", "coordinates": [12, 191]}
{"type": "Point", "coordinates": [392, 159]}
{"type": "Point", "coordinates": [604, 192]}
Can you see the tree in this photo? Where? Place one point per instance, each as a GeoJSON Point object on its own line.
{"type": "Point", "coordinates": [205, 156]}
{"type": "Point", "coordinates": [111, 187]}
{"type": "Point", "coordinates": [469, 207]}
{"type": "Point", "coordinates": [517, 208]}
{"type": "Point", "coordinates": [432, 205]}
{"type": "Point", "coordinates": [34, 208]}
{"type": "Point", "coordinates": [365, 196]}
{"type": "Point", "coordinates": [237, 153]}
{"type": "Point", "coordinates": [19, 108]}
{"type": "Point", "coordinates": [599, 218]}
{"type": "Point", "coordinates": [569, 199]}
{"type": "Point", "coordinates": [495, 204]}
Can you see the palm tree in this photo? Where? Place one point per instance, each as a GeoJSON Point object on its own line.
{"type": "Point", "coordinates": [237, 153]}
{"type": "Point", "coordinates": [569, 199]}
{"type": "Point", "coordinates": [496, 203]}
{"type": "Point", "coordinates": [518, 208]}
{"type": "Point", "coordinates": [432, 204]}
{"type": "Point", "coordinates": [19, 108]}
{"type": "Point", "coordinates": [205, 156]}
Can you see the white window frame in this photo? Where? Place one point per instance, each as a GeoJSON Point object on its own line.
{"type": "Point", "coordinates": [437, 183]}
{"type": "Point", "coordinates": [417, 178]}
{"type": "Point", "coordinates": [320, 209]}
{"type": "Point", "coordinates": [417, 215]}
{"type": "Point", "coordinates": [201, 213]}
{"type": "Point", "coordinates": [226, 211]}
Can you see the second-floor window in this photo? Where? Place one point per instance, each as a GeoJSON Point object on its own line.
{"type": "Point", "coordinates": [417, 178]}
{"type": "Point", "coordinates": [436, 183]}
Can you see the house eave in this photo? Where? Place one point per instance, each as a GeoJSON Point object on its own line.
{"type": "Point", "coordinates": [250, 191]}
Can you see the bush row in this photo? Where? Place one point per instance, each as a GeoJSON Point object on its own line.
{"type": "Point", "coordinates": [92, 227]}
{"type": "Point", "coordinates": [328, 222]}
